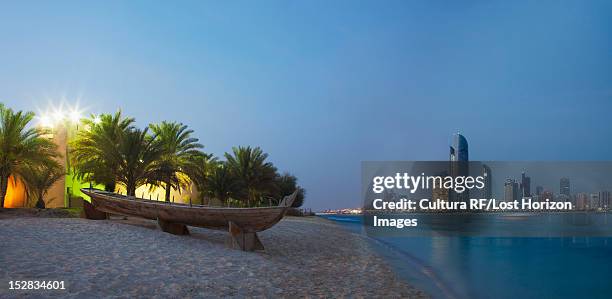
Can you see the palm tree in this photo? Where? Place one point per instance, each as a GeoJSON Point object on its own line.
{"type": "Point", "coordinates": [38, 180]}
{"type": "Point", "coordinates": [220, 183]}
{"type": "Point", "coordinates": [136, 156]}
{"type": "Point", "coordinates": [21, 146]}
{"type": "Point", "coordinates": [200, 169]}
{"type": "Point", "coordinates": [180, 152]}
{"type": "Point", "coordinates": [94, 150]}
{"type": "Point", "coordinates": [256, 175]}
{"type": "Point", "coordinates": [287, 184]}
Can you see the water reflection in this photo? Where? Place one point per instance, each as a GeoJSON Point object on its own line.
{"type": "Point", "coordinates": [508, 267]}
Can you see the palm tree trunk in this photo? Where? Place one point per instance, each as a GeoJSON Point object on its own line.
{"type": "Point", "coordinates": [3, 189]}
{"type": "Point", "coordinates": [40, 203]}
{"type": "Point", "coordinates": [168, 188]}
{"type": "Point", "coordinates": [131, 190]}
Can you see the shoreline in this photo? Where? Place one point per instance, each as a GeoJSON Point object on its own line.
{"type": "Point", "coordinates": [304, 256]}
{"type": "Point", "coordinates": [412, 270]}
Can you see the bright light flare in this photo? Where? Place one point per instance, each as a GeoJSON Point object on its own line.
{"type": "Point", "coordinates": [46, 121]}
{"type": "Point", "coordinates": [59, 115]}
{"type": "Point", "coordinates": [74, 116]}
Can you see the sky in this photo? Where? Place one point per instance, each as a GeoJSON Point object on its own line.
{"type": "Point", "coordinates": [324, 85]}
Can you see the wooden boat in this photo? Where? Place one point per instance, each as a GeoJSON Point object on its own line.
{"type": "Point", "coordinates": [242, 223]}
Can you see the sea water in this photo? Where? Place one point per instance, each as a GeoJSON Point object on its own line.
{"type": "Point", "coordinates": [491, 267]}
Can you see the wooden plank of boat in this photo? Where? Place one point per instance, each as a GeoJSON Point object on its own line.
{"type": "Point", "coordinates": [241, 223]}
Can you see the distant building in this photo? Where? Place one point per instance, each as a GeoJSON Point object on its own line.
{"type": "Point", "coordinates": [511, 190]}
{"type": "Point", "coordinates": [525, 185]}
{"type": "Point", "coordinates": [564, 186]}
{"type": "Point", "coordinates": [539, 190]}
{"type": "Point", "coordinates": [459, 164]}
{"type": "Point", "coordinates": [582, 201]}
{"type": "Point", "coordinates": [546, 195]}
{"type": "Point", "coordinates": [439, 192]}
{"type": "Point", "coordinates": [487, 191]}
{"type": "Point", "coordinates": [604, 197]}
{"type": "Point", "coordinates": [459, 149]}
{"type": "Point", "coordinates": [563, 198]}
{"type": "Point", "coordinates": [594, 201]}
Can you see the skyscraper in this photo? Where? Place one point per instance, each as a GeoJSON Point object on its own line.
{"type": "Point", "coordinates": [594, 201]}
{"type": "Point", "coordinates": [539, 190]}
{"type": "Point", "coordinates": [459, 164]}
{"type": "Point", "coordinates": [439, 192]}
{"type": "Point", "coordinates": [547, 195]}
{"type": "Point", "coordinates": [488, 181]}
{"type": "Point", "coordinates": [525, 185]}
{"type": "Point", "coordinates": [459, 148]}
{"type": "Point", "coordinates": [564, 186]}
{"type": "Point", "coordinates": [582, 201]}
{"type": "Point", "coordinates": [604, 198]}
{"type": "Point", "coordinates": [511, 191]}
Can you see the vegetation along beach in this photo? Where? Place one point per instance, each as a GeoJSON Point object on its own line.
{"type": "Point", "coordinates": [42, 236]}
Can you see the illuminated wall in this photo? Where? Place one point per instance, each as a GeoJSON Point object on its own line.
{"type": "Point", "coordinates": [56, 195]}
{"type": "Point", "coordinates": [69, 186]}
{"type": "Point", "coordinates": [16, 194]}
{"type": "Point", "coordinates": [152, 193]}
{"type": "Point", "coordinates": [75, 185]}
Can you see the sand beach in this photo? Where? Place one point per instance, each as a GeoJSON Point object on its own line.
{"type": "Point", "coordinates": [126, 258]}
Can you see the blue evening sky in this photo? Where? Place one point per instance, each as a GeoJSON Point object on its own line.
{"type": "Point", "coordinates": [323, 85]}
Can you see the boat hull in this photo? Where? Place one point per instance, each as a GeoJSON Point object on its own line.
{"type": "Point", "coordinates": [248, 219]}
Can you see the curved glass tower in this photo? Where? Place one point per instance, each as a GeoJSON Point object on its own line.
{"type": "Point", "coordinates": [459, 158]}
{"type": "Point", "coordinates": [459, 148]}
